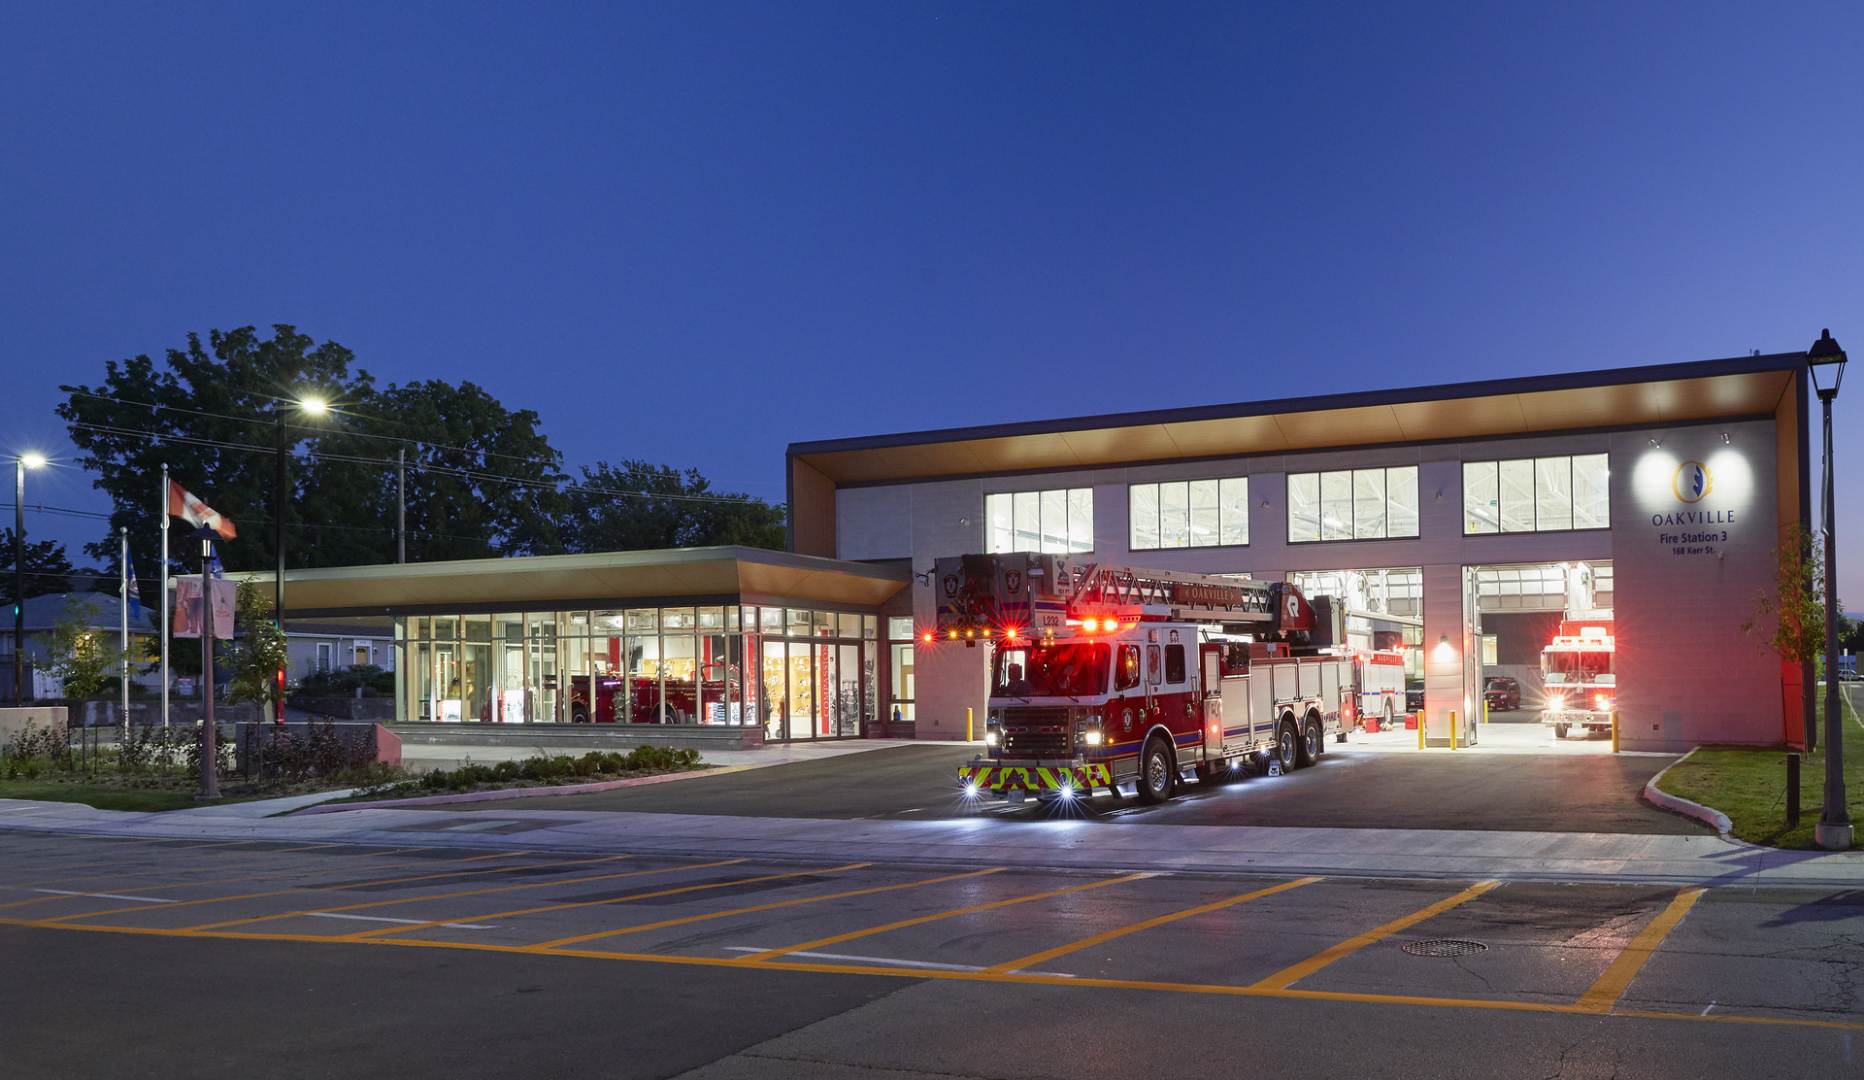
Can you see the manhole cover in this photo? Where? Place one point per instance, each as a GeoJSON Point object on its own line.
{"type": "Point", "coordinates": [1443, 947]}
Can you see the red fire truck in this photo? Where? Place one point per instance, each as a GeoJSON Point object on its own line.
{"type": "Point", "coordinates": [1577, 676]}
{"type": "Point", "coordinates": [1122, 680]}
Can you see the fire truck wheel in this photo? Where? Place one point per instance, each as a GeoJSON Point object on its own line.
{"type": "Point", "coordinates": [1559, 731]}
{"type": "Point", "coordinates": [1288, 745]}
{"type": "Point", "coordinates": [579, 715]}
{"type": "Point", "coordinates": [1156, 772]}
{"type": "Point", "coordinates": [1312, 745]}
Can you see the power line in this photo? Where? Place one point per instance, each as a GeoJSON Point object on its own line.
{"type": "Point", "coordinates": [560, 483]}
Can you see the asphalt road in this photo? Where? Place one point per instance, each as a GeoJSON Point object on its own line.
{"type": "Point", "coordinates": [1348, 788]}
{"type": "Point", "coordinates": [150, 960]}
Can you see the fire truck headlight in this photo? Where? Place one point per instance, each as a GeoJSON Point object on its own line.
{"type": "Point", "coordinates": [970, 789]}
{"type": "Point", "coordinates": [1556, 702]}
{"type": "Point", "coordinates": [1602, 702]}
{"type": "Point", "coordinates": [991, 738]}
{"type": "Point", "coordinates": [1067, 792]}
{"type": "Point", "coordinates": [1092, 737]}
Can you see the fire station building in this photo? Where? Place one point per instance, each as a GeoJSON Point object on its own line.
{"type": "Point", "coordinates": [1462, 520]}
{"type": "Point", "coordinates": [1460, 511]}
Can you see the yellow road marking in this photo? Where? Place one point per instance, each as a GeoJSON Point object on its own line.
{"type": "Point", "coordinates": [772, 906]}
{"type": "Point", "coordinates": [820, 943]}
{"type": "Point", "coordinates": [1288, 976]}
{"type": "Point", "coordinates": [337, 888]}
{"type": "Point", "coordinates": [118, 874]}
{"type": "Point", "coordinates": [675, 891]}
{"type": "Point", "coordinates": [1604, 993]}
{"type": "Point", "coordinates": [1045, 955]}
{"type": "Point", "coordinates": [461, 892]}
{"type": "Point", "coordinates": [1010, 978]}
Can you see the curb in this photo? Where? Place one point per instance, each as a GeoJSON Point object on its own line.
{"type": "Point", "coordinates": [1676, 804]}
{"type": "Point", "coordinates": [517, 793]}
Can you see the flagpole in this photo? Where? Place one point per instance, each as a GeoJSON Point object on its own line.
{"type": "Point", "coordinates": [162, 516]}
{"type": "Point", "coordinates": [123, 621]}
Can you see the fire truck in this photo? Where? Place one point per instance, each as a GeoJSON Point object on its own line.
{"type": "Point", "coordinates": [1577, 678]}
{"type": "Point", "coordinates": [1114, 679]}
{"type": "Point", "coordinates": [1576, 667]}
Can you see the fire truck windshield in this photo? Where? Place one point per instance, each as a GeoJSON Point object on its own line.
{"type": "Point", "coordinates": [1575, 667]}
{"type": "Point", "coordinates": [1057, 669]}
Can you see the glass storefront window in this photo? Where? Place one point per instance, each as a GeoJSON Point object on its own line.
{"type": "Point", "coordinates": [900, 671]}
{"type": "Point", "coordinates": [813, 675]}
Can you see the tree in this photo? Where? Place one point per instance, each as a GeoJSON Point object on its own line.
{"type": "Point", "coordinates": [79, 655]}
{"type": "Point", "coordinates": [206, 410]}
{"type": "Point", "coordinates": [258, 652]}
{"type": "Point", "coordinates": [459, 505]}
{"type": "Point", "coordinates": [1791, 617]}
{"type": "Point", "coordinates": [674, 509]}
{"type": "Point", "coordinates": [47, 569]}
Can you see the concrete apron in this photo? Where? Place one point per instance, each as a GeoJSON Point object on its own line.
{"type": "Point", "coordinates": [1381, 853]}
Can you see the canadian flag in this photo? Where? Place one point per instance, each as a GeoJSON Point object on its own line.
{"type": "Point", "coordinates": [183, 504]}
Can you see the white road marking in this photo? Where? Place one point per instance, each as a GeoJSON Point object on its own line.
{"type": "Point", "coordinates": [1705, 1012]}
{"type": "Point", "coordinates": [108, 896]}
{"type": "Point", "coordinates": [885, 961]}
{"type": "Point", "coordinates": [385, 918]}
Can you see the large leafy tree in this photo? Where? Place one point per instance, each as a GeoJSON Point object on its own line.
{"type": "Point", "coordinates": [482, 479]}
{"type": "Point", "coordinates": [208, 411]}
{"type": "Point", "coordinates": [672, 509]}
{"type": "Point", "coordinates": [47, 569]}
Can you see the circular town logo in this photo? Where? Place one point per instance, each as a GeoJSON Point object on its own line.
{"type": "Point", "coordinates": [1693, 482]}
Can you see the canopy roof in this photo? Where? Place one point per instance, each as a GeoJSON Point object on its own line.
{"type": "Point", "coordinates": [548, 582]}
{"type": "Point", "coordinates": [1739, 387]}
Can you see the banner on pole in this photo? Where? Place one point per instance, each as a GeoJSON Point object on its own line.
{"type": "Point", "coordinates": [188, 608]}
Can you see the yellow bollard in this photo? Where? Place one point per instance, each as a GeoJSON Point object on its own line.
{"type": "Point", "coordinates": [1485, 710]}
{"type": "Point", "coordinates": [1452, 729]}
{"type": "Point", "coordinates": [969, 735]}
{"type": "Point", "coordinates": [1614, 731]}
{"type": "Point", "coordinates": [1420, 729]}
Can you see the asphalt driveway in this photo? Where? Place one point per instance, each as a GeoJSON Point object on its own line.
{"type": "Point", "coordinates": [1349, 788]}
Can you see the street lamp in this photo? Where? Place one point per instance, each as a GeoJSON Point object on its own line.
{"type": "Point", "coordinates": [31, 459]}
{"type": "Point", "coordinates": [308, 404]}
{"type": "Point", "coordinates": [1826, 361]}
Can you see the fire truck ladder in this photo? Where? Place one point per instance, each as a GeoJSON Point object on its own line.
{"type": "Point", "coordinates": [1190, 597]}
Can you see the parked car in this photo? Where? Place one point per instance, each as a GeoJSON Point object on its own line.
{"type": "Point", "coordinates": [1503, 693]}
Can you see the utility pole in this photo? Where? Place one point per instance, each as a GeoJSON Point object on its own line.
{"type": "Point", "coordinates": [401, 505]}
{"type": "Point", "coordinates": [278, 541]}
{"type": "Point", "coordinates": [123, 624]}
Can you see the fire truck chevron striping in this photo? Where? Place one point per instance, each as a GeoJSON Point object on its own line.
{"type": "Point", "coordinates": [1108, 678]}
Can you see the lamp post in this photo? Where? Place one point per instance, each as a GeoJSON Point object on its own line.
{"type": "Point", "coordinates": [308, 405]}
{"type": "Point", "coordinates": [28, 460]}
{"type": "Point", "coordinates": [1826, 361]}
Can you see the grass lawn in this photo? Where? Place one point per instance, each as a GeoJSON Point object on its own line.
{"type": "Point", "coordinates": [107, 796]}
{"type": "Point", "coordinates": [1750, 785]}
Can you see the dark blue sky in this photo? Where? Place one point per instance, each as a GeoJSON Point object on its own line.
{"type": "Point", "coordinates": [695, 232]}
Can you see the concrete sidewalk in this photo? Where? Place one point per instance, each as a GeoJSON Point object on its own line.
{"type": "Point", "coordinates": [1382, 853]}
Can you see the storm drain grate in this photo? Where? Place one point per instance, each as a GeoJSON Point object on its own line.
{"type": "Point", "coordinates": [1443, 947]}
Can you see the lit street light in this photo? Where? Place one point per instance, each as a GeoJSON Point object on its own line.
{"type": "Point", "coordinates": [31, 459]}
{"type": "Point", "coordinates": [308, 405]}
{"type": "Point", "coordinates": [1826, 360]}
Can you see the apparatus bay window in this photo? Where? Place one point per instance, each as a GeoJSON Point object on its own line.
{"type": "Point", "coordinates": [801, 673]}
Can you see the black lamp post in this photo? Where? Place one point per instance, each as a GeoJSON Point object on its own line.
{"type": "Point", "coordinates": [308, 405]}
{"type": "Point", "coordinates": [21, 463]}
{"type": "Point", "coordinates": [1826, 361]}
